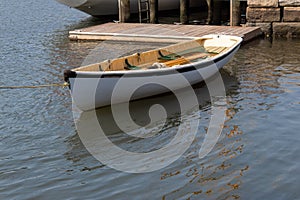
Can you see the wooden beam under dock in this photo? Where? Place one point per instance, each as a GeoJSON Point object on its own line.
{"type": "Point", "coordinates": [137, 32]}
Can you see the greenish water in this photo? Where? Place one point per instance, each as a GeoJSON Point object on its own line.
{"type": "Point", "coordinates": [42, 157]}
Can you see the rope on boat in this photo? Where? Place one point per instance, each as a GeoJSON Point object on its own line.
{"type": "Point", "coordinates": [35, 86]}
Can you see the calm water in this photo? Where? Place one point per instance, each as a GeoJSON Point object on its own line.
{"type": "Point", "coordinates": [42, 157]}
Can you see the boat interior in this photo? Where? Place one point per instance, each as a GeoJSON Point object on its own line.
{"type": "Point", "coordinates": [173, 55]}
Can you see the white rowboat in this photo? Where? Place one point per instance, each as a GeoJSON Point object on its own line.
{"type": "Point", "coordinates": [149, 73]}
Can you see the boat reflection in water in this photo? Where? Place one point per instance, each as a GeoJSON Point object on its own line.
{"type": "Point", "coordinates": [150, 134]}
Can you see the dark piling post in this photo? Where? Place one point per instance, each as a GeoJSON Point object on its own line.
{"type": "Point", "coordinates": [235, 13]}
{"type": "Point", "coordinates": [217, 12]}
{"type": "Point", "coordinates": [124, 10]}
{"type": "Point", "coordinates": [209, 11]}
{"type": "Point", "coordinates": [154, 11]}
{"type": "Point", "coordinates": [184, 11]}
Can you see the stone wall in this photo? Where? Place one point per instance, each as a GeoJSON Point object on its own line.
{"type": "Point", "coordinates": [275, 17]}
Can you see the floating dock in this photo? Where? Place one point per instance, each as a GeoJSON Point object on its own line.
{"type": "Point", "coordinates": [137, 32]}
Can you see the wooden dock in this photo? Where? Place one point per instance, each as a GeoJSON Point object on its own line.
{"type": "Point", "coordinates": [137, 32]}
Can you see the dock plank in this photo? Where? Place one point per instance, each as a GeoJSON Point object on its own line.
{"type": "Point", "coordinates": [158, 32]}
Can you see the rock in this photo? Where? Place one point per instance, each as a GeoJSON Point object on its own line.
{"type": "Point", "coordinates": [266, 28]}
{"type": "Point", "coordinates": [289, 2]}
{"type": "Point", "coordinates": [263, 14]}
{"type": "Point", "coordinates": [286, 29]}
{"type": "Point", "coordinates": [262, 3]}
{"type": "Point", "coordinates": [291, 14]}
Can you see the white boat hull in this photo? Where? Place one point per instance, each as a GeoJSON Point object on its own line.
{"type": "Point", "coordinates": [110, 7]}
{"type": "Point", "coordinates": [92, 90]}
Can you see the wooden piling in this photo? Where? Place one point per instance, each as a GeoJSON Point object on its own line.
{"type": "Point", "coordinates": [184, 11]}
{"type": "Point", "coordinates": [154, 11]}
{"type": "Point", "coordinates": [210, 9]}
{"type": "Point", "coordinates": [217, 12]}
{"type": "Point", "coordinates": [124, 10]}
{"type": "Point", "coordinates": [235, 14]}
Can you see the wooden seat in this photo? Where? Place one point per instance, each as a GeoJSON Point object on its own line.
{"type": "Point", "coordinates": [215, 50]}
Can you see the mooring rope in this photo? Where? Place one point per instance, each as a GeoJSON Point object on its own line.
{"type": "Point", "coordinates": [35, 86]}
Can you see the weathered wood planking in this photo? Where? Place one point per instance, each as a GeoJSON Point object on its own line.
{"type": "Point", "coordinates": [158, 32]}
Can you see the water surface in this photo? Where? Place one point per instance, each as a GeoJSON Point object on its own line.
{"type": "Point", "coordinates": [42, 157]}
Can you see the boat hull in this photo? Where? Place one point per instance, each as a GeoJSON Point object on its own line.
{"type": "Point", "coordinates": [92, 90]}
{"type": "Point", "coordinates": [110, 7]}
